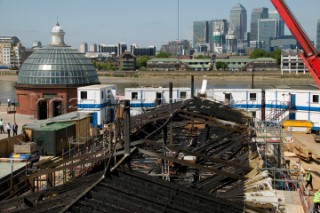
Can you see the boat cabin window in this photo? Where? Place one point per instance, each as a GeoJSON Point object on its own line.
{"type": "Point", "coordinates": [227, 98]}
{"type": "Point", "coordinates": [254, 114]}
{"type": "Point", "coordinates": [183, 94]}
{"type": "Point", "coordinates": [315, 98]}
{"type": "Point", "coordinates": [102, 94]}
{"type": "Point", "coordinates": [253, 96]}
{"type": "Point", "coordinates": [134, 95]}
{"type": "Point", "coordinates": [83, 94]}
{"type": "Point", "coordinates": [158, 98]}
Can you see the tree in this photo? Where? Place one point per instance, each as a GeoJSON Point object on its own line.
{"type": "Point", "coordinates": [276, 54]}
{"type": "Point", "coordinates": [142, 61]}
{"type": "Point", "coordinates": [221, 65]}
{"type": "Point", "coordinates": [104, 66]}
{"type": "Point", "coordinates": [258, 53]}
{"type": "Point", "coordinates": [202, 57]}
{"type": "Point", "coordinates": [163, 55]}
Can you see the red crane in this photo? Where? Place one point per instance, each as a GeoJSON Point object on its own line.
{"type": "Point", "coordinates": [310, 56]}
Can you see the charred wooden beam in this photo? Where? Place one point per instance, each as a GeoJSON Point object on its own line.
{"type": "Point", "coordinates": [199, 155]}
{"type": "Point", "coordinates": [212, 142]}
{"type": "Point", "coordinates": [83, 161]}
{"type": "Point", "coordinates": [182, 162]}
{"type": "Point", "coordinates": [215, 109]}
{"type": "Point", "coordinates": [212, 121]}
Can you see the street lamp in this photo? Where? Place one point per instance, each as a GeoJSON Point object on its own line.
{"type": "Point", "coordinates": [12, 109]}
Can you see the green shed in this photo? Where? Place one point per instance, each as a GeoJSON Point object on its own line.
{"type": "Point", "coordinates": [53, 138]}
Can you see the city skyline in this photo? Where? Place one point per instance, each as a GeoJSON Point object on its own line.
{"type": "Point", "coordinates": [141, 22]}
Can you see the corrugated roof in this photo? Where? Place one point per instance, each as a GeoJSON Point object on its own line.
{"type": "Point", "coordinates": [71, 116]}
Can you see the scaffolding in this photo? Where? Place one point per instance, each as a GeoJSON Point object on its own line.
{"type": "Point", "coordinates": [270, 139]}
{"type": "Point", "coordinates": [275, 116]}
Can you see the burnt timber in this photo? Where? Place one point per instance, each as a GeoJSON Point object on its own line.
{"type": "Point", "coordinates": [121, 191]}
{"type": "Point", "coordinates": [216, 138]}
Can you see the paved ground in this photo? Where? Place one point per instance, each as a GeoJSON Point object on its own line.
{"type": "Point", "coordinates": [20, 119]}
{"type": "Point", "coordinates": [308, 143]}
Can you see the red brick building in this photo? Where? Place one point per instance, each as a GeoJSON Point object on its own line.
{"type": "Point", "coordinates": [48, 80]}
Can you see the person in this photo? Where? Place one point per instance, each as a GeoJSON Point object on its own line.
{"type": "Point", "coordinates": [8, 128]}
{"type": "Point", "coordinates": [9, 102]}
{"type": "Point", "coordinates": [316, 201]}
{"type": "Point", "coordinates": [309, 179]}
{"type": "Point", "coordinates": [15, 129]}
{"type": "Point", "coordinates": [1, 126]}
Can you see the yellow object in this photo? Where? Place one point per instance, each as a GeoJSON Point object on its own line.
{"type": "Point", "coordinates": [16, 156]}
{"type": "Point", "coordinates": [297, 125]}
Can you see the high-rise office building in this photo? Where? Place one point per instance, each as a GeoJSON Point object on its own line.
{"type": "Point", "coordinates": [200, 33]}
{"type": "Point", "coordinates": [267, 29]}
{"type": "Point", "coordinates": [122, 47]}
{"type": "Point", "coordinates": [219, 41]}
{"type": "Point", "coordinates": [257, 13]}
{"type": "Point", "coordinates": [83, 47]}
{"type": "Point", "coordinates": [231, 43]}
{"type": "Point", "coordinates": [217, 27]}
{"type": "Point", "coordinates": [93, 48]}
{"type": "Point", "coordinates": [318, 36]}
{"type": "Point", "coordinates": [275, 15]}
{"type": "Point", "coordinates": [238, 21]}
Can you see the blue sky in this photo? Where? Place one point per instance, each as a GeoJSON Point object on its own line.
{"type": "Point", "coordinates": [143, 22]}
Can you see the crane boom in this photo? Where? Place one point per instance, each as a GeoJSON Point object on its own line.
{"type": "Point", "coordinates": [310, 56]}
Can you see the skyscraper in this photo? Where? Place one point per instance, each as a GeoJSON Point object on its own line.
{"type": "Point", "coordinates": [83, 47]}
{"type": "Point", "coordinates": [217, 26]}
{"type": "Point", "coordinates": [238, 21]}
{"type": "Point", "coordinates": [275, 15]}
{"type": "Point", "coordinates": [200, 32]}
{"type": "Point", "coordinates": [93, 48]}
{"type": "Point", "coordinates": [257, 13]}
{"type": "Point", "coordinates": [318, 36]}
{"type": "Point", "coordinates": [267, 29]}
